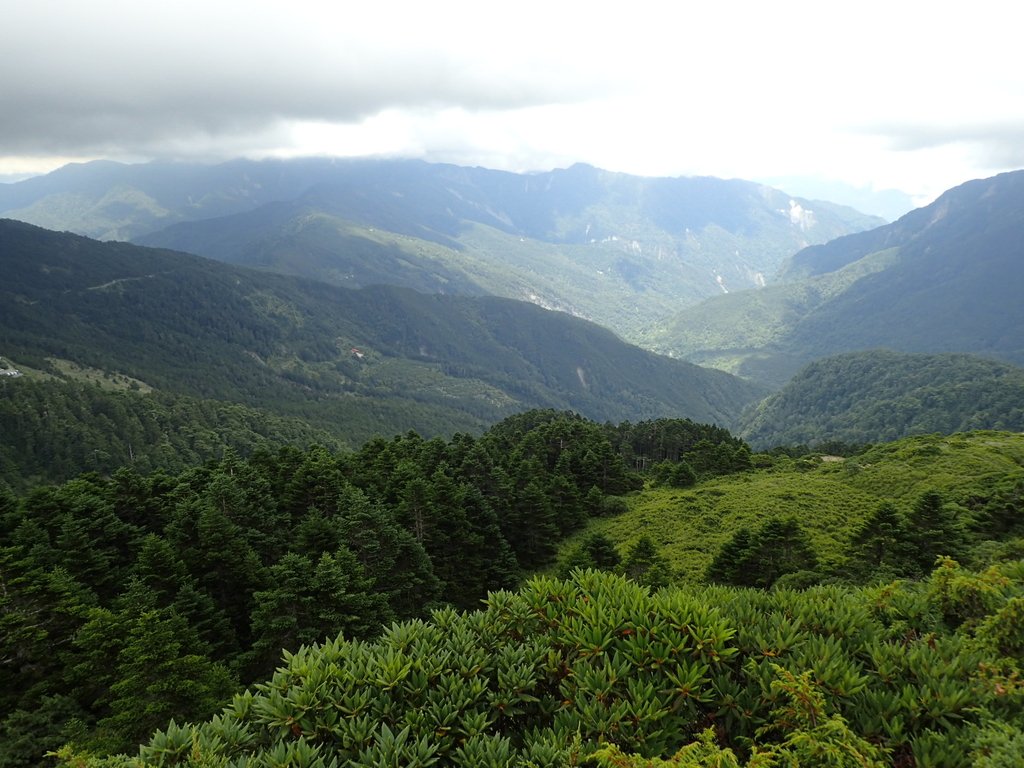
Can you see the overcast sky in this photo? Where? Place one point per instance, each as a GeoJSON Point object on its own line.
{"type": "Point", "coordinates": [916, 96]}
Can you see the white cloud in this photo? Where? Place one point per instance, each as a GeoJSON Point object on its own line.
{"type": "Point", "coordinates": [913, 95]}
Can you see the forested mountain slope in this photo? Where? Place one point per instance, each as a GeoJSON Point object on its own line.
{"type": "Point", "coordinates": [880, 395]}
{"type": "Point", "coordinates": [617, 249]}
{"type": "Point", "coordinates": [355, 363]}
{"type": "Point", "coordinates": [54, 429]}
{"type": "Point", "coordinates": [944, 278]}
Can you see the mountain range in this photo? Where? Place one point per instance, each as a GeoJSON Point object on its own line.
{"type": "Point", "coordinates": [621, 250]}
{"type": "Point", "coordinates": [389, 320]}
{"type": "Point", "coordinates": [944, 278]}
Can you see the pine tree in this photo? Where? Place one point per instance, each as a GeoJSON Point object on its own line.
{"type": "Point", "coordinates": [759, 559]}
{"type": "Point", "coordinates": [682, 475]}
{"type": "Point", "coordinates": [160, 677]}
{"type": "Point", "coordinates": [644, 565]}
{"type": "Point", "coordinates": [239, 492]}
{"type": "Point", "coordinates": [308, 601]}
{"type": "Point", "coordinates": [595, 551]}
{"type": "Point", "coordinates": [219, 557]}
{"type": "Point", "coordinates": [160, 568]}
{"type": "Point", "coordinates": [730, 565]}
{"type": "Point", "coordinates": [781, 547]}
{"type": "Point", "coordinates": [935, 530]}
{"type": "Point", "coordinates": [317, 482]}
{"type": "Point", "coordinates": [396, 562]}
{"type": "Point", "coordinates": [566, 502]}
{"type": "Point", "coordinates": [882, 548]}
{"type": "Point", "coordinates": [530, 526]}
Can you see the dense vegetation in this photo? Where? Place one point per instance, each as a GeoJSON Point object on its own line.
{"type": "Point", "coordinates": [170, 521]}
{"type": "Point", "coordinates": [136, 599]}
{"type": "Point", "coordinates": [879, 396]}
{"type": "Point", "coordinates": [355, 363]}
{"type": "Point", "coordinates": [944, 278]}
{"type": "Point", "coordinates": [132, 599]}
{"type": "Point", "coordinates": [923, 674]}
{"type": "Point", "coordinates": [979, 479]}
{"type": "Point", "coordinates": [54, 430]}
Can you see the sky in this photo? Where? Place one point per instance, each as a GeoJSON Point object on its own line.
{"type": "Point", "coordinates": [905, 95]}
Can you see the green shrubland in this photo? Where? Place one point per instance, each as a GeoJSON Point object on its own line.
{"type": "Point", "coordinates": [596, 670]}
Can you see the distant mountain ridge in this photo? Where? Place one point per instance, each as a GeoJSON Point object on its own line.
{"type": "Point", "coordinates": [945, 278]}
{"type": "Point", "coordinates": [620, 250]}
{"type": "Point", "coordinates": [357, 363]}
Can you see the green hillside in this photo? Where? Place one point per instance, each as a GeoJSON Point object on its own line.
{"type": "Point", "coordinates": [616, 249]}
{"type": "Point", "coordinates": [746, 332]}
{"type": "Point", "coordinates": [195, 580]}
{"type": "Point", "coordinates": [869, 397]}
{"type": "Point", "coordinates": [830, 497]}
{"type": "Point", "coordinates": [355, 363]}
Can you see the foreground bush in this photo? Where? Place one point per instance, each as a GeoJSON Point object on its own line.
{"type": "Point", "coordinates": [596, 670]}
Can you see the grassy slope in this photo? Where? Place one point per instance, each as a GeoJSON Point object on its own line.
{"type": "Point", "coordinates": [829, 498]}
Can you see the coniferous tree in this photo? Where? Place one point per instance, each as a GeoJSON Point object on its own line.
{"type": "Point", "coordinates": [644, 565]}
{"type": "Point", "coordinates": [1003, 511]}
{"type": "Point", "coordinates": [565, 501]}
{"type": "Point", "coordinates": [90, 664]}
{"type": "Point", "coordinates": [595, 551]}
{"type": "Point", "coordinates": [682, 475]}
{"type": "Point", "coordinates": [159, 568]}
{"type": "Point", "coordinates": [593, 502]}
{"type": "Point", "coordinates": [882, 548]}
{"type": "Point", "coordinates": [83, 554]}
{"type": "Point", "coordinates": [396, 562]}
{"type": "Point", "coordinates": [241, 494]}
{"type": "Point", "coordinates": [26, 734]}
{"type": "Point", "coordinates": [309, 601]}
{"type": "Point", "coordinates": [781, 547]}
{"type": "Point", "coordinates": [730, 565]}
{"type": "Point", "coordinates": [530, 526]}
{"type": "Point", "coordinates": [220, 558]}
{"type": "Point", "coordinates": [161, 674]}
{"type": "Point", "coordinates": [41, 609]}
{"type": "Point", "coordinates": [492, 563]}
{"type": "Point", "coordinates": [935, 530]}
{"type": "Point", "coordinates": [759, 559]}
{"type": "Point", "coordinates": [314, 481]}
{"type": "Point", "coordinates": [209, 622]}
